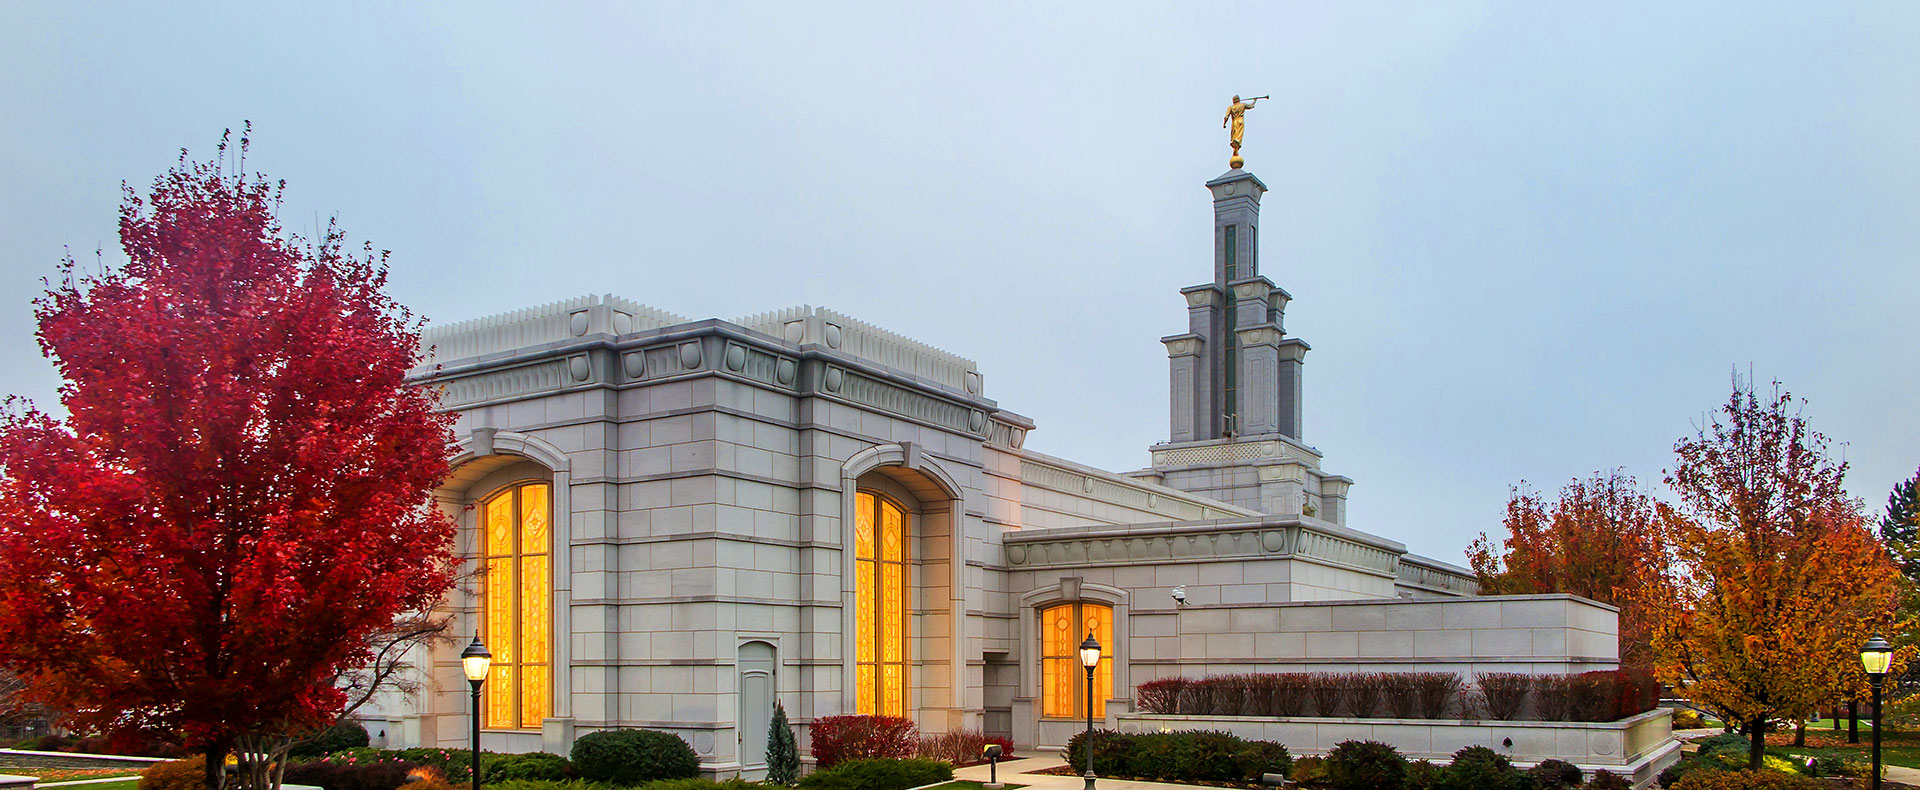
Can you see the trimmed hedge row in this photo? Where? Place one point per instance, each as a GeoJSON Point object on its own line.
{"type": "Point", "coordinates": [1607, 695]}
{"type": "Point", "coordinates": [1188, 755]}
{"type": "Point", "coordinates": [881, 774]}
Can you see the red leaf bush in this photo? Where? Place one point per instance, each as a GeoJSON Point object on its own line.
{"type": "Point", "coordinates": [1505, 693]}
{"type": "Point", "coordinates": [837, 739]}
{"type": "Point", "coordinates": [1606, 695]}
{"type": "Point", "coordinates": [961, 747]}
{"type": "Point", "coordinates": [1161, 695]}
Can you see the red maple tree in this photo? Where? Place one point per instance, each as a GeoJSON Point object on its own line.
{"type": "Point", "coordinates": [1600, 539]}
{"type": "Point", "coordinates": [239, 497]}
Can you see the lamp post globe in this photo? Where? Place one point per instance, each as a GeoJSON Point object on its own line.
{"type": "Point", "coordinates": [1876, 656]}
{"type": "Point", "coordinates": [1090, 658]}
{"type": "Point", "coordinates": [474, 663]}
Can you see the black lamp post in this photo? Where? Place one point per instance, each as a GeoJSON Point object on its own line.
{"type": "Point", "coordinates": [473, 663]}
{"type": "Point", "coordinates": [1090, 658]}
{"type": "Point", "coordinates": [1875, 656]}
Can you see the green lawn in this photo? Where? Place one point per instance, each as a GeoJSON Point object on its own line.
{"type": "Point", "coordinates": [1896, 748]}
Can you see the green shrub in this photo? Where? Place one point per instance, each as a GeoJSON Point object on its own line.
{"type": "Point", "coordinates": [540, 784]}
{"type": "Point", "coordinates": [1608, 780]}
{"type": "Point", "coordinates": [631, 757]}
{"type": "Point", "coordinates": [1724, 742]}
{"type": "Point", "coordinates": [374, 774]}
{"type": "Point", "coordinates": [1836, 765]}
{"type": "Point", "coordinates": [531, 765]}
{"type": "Point", "coordinates": [878, 775]}
{"type": "Point", "coordinates": [1555, 775]}
{"type": "Point", "coordinates": [1746, 780]}
{"type": "Point", "coordinates": [1309, 772]}
{"type": "Point", "coordinates": [1366, 765]}
{"type": "Point", "coordinates": [1191, 755]}
{"type": "Point", "coordinates": [698, 784]}
{"type": "Point", "coordinates": [342, 735]}
{"type": "Point", "coordinates": [1479, 768]}
{"type": "Point", "coordinates": [1423, 775]}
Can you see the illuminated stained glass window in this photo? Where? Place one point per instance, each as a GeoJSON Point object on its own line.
{"type": "Point", "coordinates": [880, 606]}
{"type": "Point", "coordinates": [518, 538]}
{"type": "Point", "coordinates": [1063, 679]}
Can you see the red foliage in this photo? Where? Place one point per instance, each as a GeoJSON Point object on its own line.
{"type": "Point", "coordinates": [1161, 695]}
{"type": "Point", "coordinates": [240, 493]}
{"type": "Point", "coordinates": [1600, 539]}
{"type": "Point", "coordinates": [837, 739]}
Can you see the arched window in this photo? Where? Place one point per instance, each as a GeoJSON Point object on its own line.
{"type": "Point", "coordinates": [1062, 677]}
{"type": "Point", "coordinates": [880, 606]}
{"type": "Point", "coordinates": [518, 604]}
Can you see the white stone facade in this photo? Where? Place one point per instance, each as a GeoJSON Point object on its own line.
{"type": "Point", "coordinates": [704, 475]}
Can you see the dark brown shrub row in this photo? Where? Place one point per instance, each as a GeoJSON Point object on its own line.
{"type": "Point", "coordinates": [1428, 695]}
{"type": "Point", "coordinates": [1607, 695]}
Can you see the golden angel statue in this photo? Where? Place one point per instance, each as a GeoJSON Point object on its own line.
{"type": "Point", "coordinates": [1237, 117]}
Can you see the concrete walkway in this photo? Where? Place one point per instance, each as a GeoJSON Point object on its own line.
{"type": "Point", "coordinates": [1013, 772]}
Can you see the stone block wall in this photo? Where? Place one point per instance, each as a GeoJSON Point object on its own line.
{"type": "Point", "coordinates": [1529, 633]}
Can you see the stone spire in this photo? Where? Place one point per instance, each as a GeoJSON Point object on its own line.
{"type": "Point", "coordinates": [1234, 371]}
{"type": "Point", "coordinates": [1234, 389]}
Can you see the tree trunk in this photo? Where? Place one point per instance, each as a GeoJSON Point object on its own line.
{"type": "Point", "coordinates": [1800, 733]}
{"type": "Point", "coordinates": [1757, 742]}
{"type": "Point", "coordinates": [216, 762]}
{"type": "Point", "coordinates": [1836, 717]}
{"type": "Point", "coordinates": [1853, 721]}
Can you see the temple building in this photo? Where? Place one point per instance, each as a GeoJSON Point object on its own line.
{"type": "Point", "coordinates": [679, 521]}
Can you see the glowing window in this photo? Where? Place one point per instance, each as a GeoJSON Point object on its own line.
{"type": "Point", "coordinates": [1063, 680]}
{"type": "Point", "coordinates": [518, 605]}
{"type": "Point", "coordinates": [880, 606]}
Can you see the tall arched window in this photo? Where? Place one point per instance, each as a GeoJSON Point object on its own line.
{"type": "Point", "coordinates": [1062, 678]}
{"type": "Point", "coordinates": [518, 604]}
{"type": "Point", "coordinates": [880, 606]}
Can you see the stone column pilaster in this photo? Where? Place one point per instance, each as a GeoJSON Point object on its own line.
{"type": "Point", "coordinates": [1291, 355]}
{"type": "Point", "coordinates": [1187, 390]}
{"type": "Point", "coordinates": [1333, 498]}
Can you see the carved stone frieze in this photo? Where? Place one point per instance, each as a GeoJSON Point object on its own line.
{"type": "Point", "coordinates": [1150, 545]}
{"type": "Point", "coordinates": [543, 376]}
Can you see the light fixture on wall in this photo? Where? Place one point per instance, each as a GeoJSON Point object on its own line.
{"type": "Point", "coordinates": [474, 662]}
{"type": "Point", "coordinates": [1180, 595]}
{"type": "Point", "coordinates": [1090, 658]}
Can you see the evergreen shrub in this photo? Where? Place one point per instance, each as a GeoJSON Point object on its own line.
{"type": "Point", "coordinates": [632, 757]}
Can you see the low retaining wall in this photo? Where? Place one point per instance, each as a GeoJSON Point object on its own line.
{"type": "Point", "coordinates": [26, 759]}
{"type": "Point", "coordinates": [1636, 748]}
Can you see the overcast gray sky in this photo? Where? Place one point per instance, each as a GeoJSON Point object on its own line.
{"type": "Point", "coordinates": [1526, 240]}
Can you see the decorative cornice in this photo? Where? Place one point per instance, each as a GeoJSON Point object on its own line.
{"type": "Point", "coordinates": [1193, 542]}
{"type": "Point", "coordinates": [1201, 295]}
{"type": "Point", "coordinates": [1411, 571]}
{"type": "Point", "coordinates": [1217, 453]}
{"type": "Point", "coordinates": [1186, 345]}
{"type": "Point", "coordinates": [1259, 335]}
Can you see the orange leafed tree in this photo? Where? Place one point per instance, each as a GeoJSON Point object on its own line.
{"type": "Point", "coordinates": [1600, 539]}
{"type": "Point", "coordinates": [1780, 578]}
